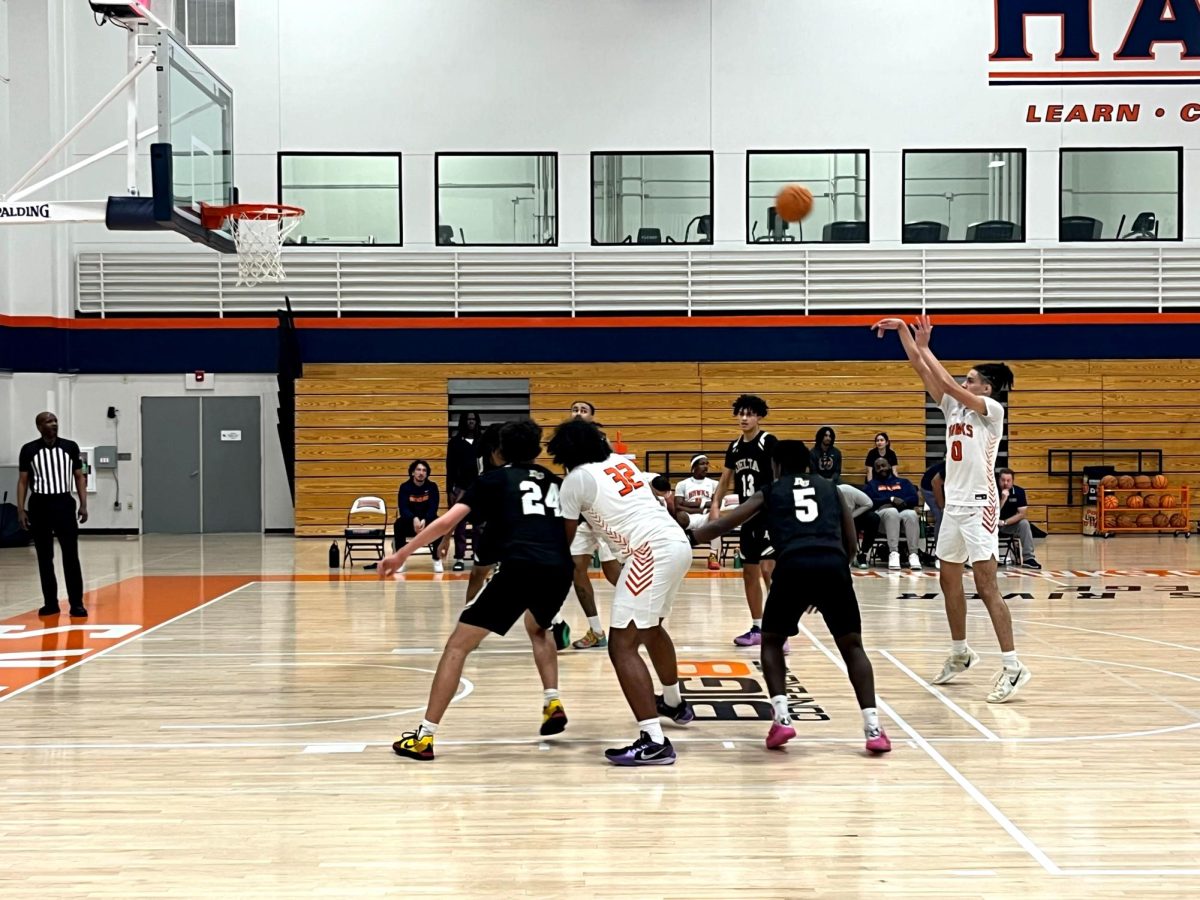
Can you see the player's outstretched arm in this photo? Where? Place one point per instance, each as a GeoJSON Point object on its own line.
{"type": "Point", "coordinates": [948, 385]}
{"type": "Point", "coordinates": [723, 488]}
{"type": "Point", "coordinates": [731, 520]}
{"type": "Point", "coordinates": [930, 377]}
{"type": "Point", "coordinates": [389, 565]}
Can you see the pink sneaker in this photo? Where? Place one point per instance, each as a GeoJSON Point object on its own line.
{"type": "Point", "coordinates": [878, 743]}
{"type": "Point", "coordinates": [780, 735]}
{"type": "Point", "coordinates": [751, 638]}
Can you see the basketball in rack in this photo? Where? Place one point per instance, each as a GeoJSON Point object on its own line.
{"type": "Point", "coordinates": [259, 230]}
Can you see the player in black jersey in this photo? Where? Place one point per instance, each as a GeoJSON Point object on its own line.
{"type": "Point", "coordinates": [814, 538]}
{"type": "Point", "coordinates": [484, 556]}
{"type": "Point", "coordinates": [748, 468]}
{"type": "Point", "coordinates": [528, 542]}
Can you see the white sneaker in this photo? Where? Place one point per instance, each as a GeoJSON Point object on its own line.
{"type": "Point", "coordinates": [914, 562]}
{"type": "Point", "coordinates": [1006, 684]}
{"type": "Point", "coordinates": [438, 568]}
{"type": "Point", "coordinates": [403, 566]}
{"type": "Point", "coordinates": [893, 560]}
{"type": "Point", "coordinates": [956, 664]}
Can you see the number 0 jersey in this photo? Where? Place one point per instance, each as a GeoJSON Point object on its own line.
{"type": "Point", "coordinates": [972, 442]}
{"type": "Point", "coordinates": [614, 496]}
{"type": "Point", "coordinates": [804, 514]}
{"type": "Point", "coordinates": [520, 506]}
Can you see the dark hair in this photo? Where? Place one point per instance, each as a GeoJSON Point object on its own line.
{"type": "Point", "coordinates": [520, 441]}
{"type": "Point", "coordinates": [590, 405]}
{"type": "Point", "coordinates": [1006, 471]}
{"type": "Point", "coordinates": [661, 483]}
{"type": "Point", "coordinates": [998, 375]}
{"type": "Point", "coordinates": [793, 457]}
{"type": "Point", "coordinates": [883, 434]}
{"type": "Point", "coordinates": [576, 442]}
{"type": "Point", "coordinates": [756, 405]}
{"type": "Point", "coordinates": [462, 422]}
{"type": "Point", "coordinates": [488, 443]}
{"type": "Point", "coordinates": [412, 467]}
{"type": "Point", "coordinates": [821, 432]}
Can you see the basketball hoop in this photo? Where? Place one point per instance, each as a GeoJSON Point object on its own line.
{"type": "Point", "coordinates": [259, 230]}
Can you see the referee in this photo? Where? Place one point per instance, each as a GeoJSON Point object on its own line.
{"type": "Point", "coordinates": [47, 467]}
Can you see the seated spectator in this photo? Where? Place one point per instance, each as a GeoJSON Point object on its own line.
{"type": "Point", "coordinates": [826, 458]}
{"type": "Point", "coordinates": [933, 490]}
{"type": "Point", "coordinates": [895, 500]}
{"type": "Point", "coordinates": [866, 520]}
{"type": "Point", "coordinates": [694, 497]}
{"type": "Point", "coordinates": [416, 508]}
{"type": "Point", "coordinates": [882, 448]}
{"type": "Point", "coordinates": [1014, 517]}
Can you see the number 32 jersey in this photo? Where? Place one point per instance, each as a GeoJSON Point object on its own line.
{"type": "Point", "coordinates": [614, 496]}
{"type": "Point", "coordinates": [521, 507]}
{"type": "Point", "coordinates": [804, 514]}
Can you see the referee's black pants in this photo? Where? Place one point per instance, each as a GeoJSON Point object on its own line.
{"type": "Point", "coordinates": [52, 515]}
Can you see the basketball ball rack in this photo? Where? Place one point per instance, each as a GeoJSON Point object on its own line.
{"type": "Point", "coordinates": [1112, 503]}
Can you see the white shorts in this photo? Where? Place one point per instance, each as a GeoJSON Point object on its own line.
{"type": "Point", "coordinates": [964, 535]}
{"type": "Point", "coordinates": [648, 583]}
{"type": "Point", "coordinates": [588, 542]}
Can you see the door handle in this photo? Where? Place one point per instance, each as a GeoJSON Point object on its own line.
{"type": "Point", "coordinates": [194, 474]}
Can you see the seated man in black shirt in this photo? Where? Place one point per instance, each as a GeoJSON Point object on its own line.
{"type": "Point", "coordinates": [416, 508]}
{"type": "Point", "coordinates": [1014, 519]}
{"type": "Point", "coordinates": [528, 543]}
{"type": "Point", "coordinates": [814, 537]}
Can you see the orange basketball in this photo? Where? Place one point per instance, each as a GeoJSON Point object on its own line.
{"type": "Point", "coordinates": [793, 202]}
{"type": "Point", "coordinates": [1143, 481]}
{"type": "Point", "coordinates": [1168, 501]}
{"type": "Point", "coordinates": [1179, 520]}
{"type": "Point", "coordinates": [1111, 501]}
{"type": "Point", "coordinates": [1134, 501]}
{"type": "Point", "coordinates": [1125, 482]}
{"type": "Point", "coordinates": [1110, 521]}
{"type": "Point", "coordinates": [1151, 501]}
{"type": "Point", "coordinates": [1145, 520]}
{"type": "Point", "coordinates": [1125, 520]}
{"type": "Point", "coordinates": [1162, 520]}
{"type": "Point", "coordinates": [1109, 481]}
{"type": "Point", "coordinates": [1159, 481]}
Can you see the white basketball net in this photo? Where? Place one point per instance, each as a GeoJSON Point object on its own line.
{"type": "Point", "coordinates": [259, 237]}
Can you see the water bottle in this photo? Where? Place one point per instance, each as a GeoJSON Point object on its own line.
{"type": "Point", "coordinates": [335, 558]}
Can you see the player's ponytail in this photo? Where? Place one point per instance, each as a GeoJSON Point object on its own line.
{"type": "Point", "coordinates": [998, 375]}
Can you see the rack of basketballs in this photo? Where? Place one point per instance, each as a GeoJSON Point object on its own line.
{"type": "Point", "coordinates": [1142, 503]}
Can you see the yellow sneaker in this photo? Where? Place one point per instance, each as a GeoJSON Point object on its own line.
{"type": "Point", "coordinates": [414, 745]}
{"type": "Point", "coordinates": [591, 641]}
{"type": "Point", "coordinates": [554, 718]}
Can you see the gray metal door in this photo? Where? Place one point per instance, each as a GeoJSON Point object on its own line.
{"type": "Point", "coordinates": [171, 465]}
{"type": "Point", "coordinates": [231, 460]}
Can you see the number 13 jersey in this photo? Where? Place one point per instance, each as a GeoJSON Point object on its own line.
{"type": "Point", "coordinates": [751, 464]}
{"type": "Point", "coordinates": [521, 507]}
{"type": "Point", "coordinates": [615, 498]}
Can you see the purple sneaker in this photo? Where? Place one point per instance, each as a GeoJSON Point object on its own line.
{"type": "Point", "coordinates": [751, 638]}
{"type": "Point", "coordinates": [643, 752]}
{"type": "Point", "coordinates": [680, 715]}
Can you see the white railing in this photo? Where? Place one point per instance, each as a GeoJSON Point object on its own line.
{"type": "Point", "coordinates": [805, 281]}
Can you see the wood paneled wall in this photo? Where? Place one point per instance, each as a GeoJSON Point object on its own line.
{"type": "Point", "coordinates": [360, 425]}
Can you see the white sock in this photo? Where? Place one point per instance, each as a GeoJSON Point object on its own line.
{"type": "Point", "coordinates": [1011, 663]}
{"type": "Point", "coordinates": [594, 624]}
{"type": "Point", "coordinates": [671, 694]}
{"type": "Point", "coordinates": [958, 648]}
{"type": "Point", "coordinates": [870, 719]}
{"type": "Point", "coordinates": [427, 727]}
{"type": "Point", "coordinates": [557, 619]}
{"type": "Point", "coordinates": [549, 694]}
{"type": "Point", "coordinates": [757, 623]}
{"type": "Point", "coordinates": [782, 714]}
{"type": "Point", "coordinates": [653, 729]}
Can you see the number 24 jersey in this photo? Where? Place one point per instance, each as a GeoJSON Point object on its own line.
{"type": "Point", "coordinates": [520, 506]}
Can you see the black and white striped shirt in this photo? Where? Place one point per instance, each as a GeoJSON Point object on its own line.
{"type": "Point", "coordinates": [51, 469]}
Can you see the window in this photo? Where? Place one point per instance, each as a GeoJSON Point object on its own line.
{"type": "Point", "coordinates": [496, 199]}
{"type": "Point", "coordinates": [964, 195]}
{"type": "Point", "coordinates": [348, 198]}
{"type": "Point", "coordinates": [206, 23]}
{"type": "Point", "coordinates": [838, 180]}
{"type": "Point", "coordinates": [1125, 194]}
{"type": "Point", "coordinates": [652, 198]}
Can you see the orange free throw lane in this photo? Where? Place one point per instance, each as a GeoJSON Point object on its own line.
{"type": "Point", "coordinates": [34, 649]}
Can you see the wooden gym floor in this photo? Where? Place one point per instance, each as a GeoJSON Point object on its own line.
{"type": "Point", "coordinates": [222, 727]}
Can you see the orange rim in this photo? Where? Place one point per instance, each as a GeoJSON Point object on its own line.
{"type": "Point", "coordinates": [213, 217]}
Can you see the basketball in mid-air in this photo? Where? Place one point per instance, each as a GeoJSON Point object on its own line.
{"type": "Point", "coordinates": [793, 202]}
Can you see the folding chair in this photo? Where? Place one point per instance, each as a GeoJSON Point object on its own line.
{"type": "Point", "coordinates": [731, 541]}
{"type": "Point", "coordinates": [1010, 545]}
{"type": "Point", "coordinates": [366, 534]}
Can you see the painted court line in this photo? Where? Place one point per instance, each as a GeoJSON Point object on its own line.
{"type": "Point", "coordinates": [954, 707]}
{"type": "Point", "coordinates": [334, 748]}
{"type": "Point", "coordinates": [973, 792]}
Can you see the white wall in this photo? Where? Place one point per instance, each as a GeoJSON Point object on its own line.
{"type": "Point", "coordinates": [81, 404]}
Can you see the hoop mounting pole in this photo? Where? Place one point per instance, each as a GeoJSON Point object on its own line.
{"type": "Point", "coordinates": [131, 116]}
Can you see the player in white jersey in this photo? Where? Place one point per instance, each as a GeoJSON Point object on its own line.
{"type": "Point", "coordinates": [616, 499]}
{"type": "Point", "coordinates": [969, 532]}
{"type": "Point", "coordinates": [694, 496]}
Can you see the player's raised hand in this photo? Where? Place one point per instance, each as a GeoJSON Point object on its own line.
{"type": "Point", "coordinates": [887, 325]}
{"type": "Point", "coordinates": [923, 330]}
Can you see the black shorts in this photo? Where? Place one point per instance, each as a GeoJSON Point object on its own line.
{"type": "Point", "coordinates": [515, 587]}
{"type": "Point", "coordinates": [754, 543]}
{"type": "Point", "coordinates": [812, 579]}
